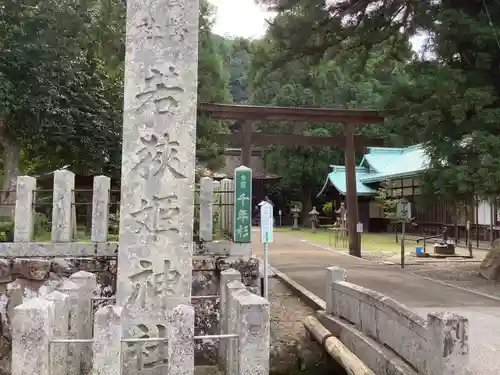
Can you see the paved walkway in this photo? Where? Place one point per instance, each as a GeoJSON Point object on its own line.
{"type": "Point", "coordinates": [305, 263]}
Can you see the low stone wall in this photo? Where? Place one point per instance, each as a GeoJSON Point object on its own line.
{"type": "Point", "coordinates": [52, 333]}
{"type": "Point", "coordinates": [28, 277]}
{"type": "Point", "coordinates": [436, 346]}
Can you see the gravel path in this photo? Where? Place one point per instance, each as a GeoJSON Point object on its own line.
{"type": "Point", "coordinates": [455, 271]}
{"type": "Point", "coordinates": [459, 272]}
{"type": "Point", "coordinates": [465, 275]}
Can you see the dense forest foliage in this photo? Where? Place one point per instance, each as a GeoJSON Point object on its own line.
{"type": "Point", "coordinates": [61, 85]}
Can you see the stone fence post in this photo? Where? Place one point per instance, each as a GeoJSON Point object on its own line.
{"type": "Point", "coordinates": [181, 341]}
{"type": "Point", "coordinates": [58, 351]}
{"type": "Point", "coordinates": [230, 280]}
{"type": "Point", "coordinates": [87, 282]}
{"type": "Point", "coordinates": [100, 208]}
{"type": "Point", "coordinates": [333, 274]}
{"type": "Point", "coordinates": [76, 324]}
{"type": "Point", "coordinates": [32, 330]}
{"type": "Point", "coordinates": [253, 330]}
{"type": "Point", "coordinates": [24, 214]}
{"type": "Point", "coordinates": [206, 209]}
{"type": "Point", "coordinates": [107, 346]}
{"type": "Point", "coordinates": [62, 207]}
{"type": "Point", "coordinates": [230, 347]}
{"type": "Point", "coordinates": [448, 348]}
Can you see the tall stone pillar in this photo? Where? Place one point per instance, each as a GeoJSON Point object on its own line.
{"type": "Point", "coordinates": [158, 164]}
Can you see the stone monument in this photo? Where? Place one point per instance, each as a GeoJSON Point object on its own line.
{"type": "Point", "coordinates": [150, 329]}
{"type": "Point", "coordinates": [158, 170]}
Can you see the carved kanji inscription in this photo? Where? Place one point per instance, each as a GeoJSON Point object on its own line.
{"type": "Point", "coordinates": [157, 215]}
{"type": "Point", "coordinates": [149, 355]}
{"type": "Point", "coordinates": [160, 91]}
{"type": "Point", "coordinates": [176, 3]}
{"type": "Point", "coordinates": [149, 28]}
{"type": "Point", "coordinates": [176, 29]}
{"type": "Point", "coordinates": [149, 285]}
{"type": "Point", "coordinates": [159, 153]}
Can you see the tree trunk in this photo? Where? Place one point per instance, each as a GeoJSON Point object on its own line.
{"type": "Point", "coordinates": [11, 166]}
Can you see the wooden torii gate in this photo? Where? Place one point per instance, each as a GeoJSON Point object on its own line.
{"type": "Point", "coordinates": [348, 141]}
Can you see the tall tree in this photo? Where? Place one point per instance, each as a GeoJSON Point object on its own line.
{"type": "Point", "coordinates": [238, 64]}
{"type": "Point", "coordinates": [451, 103]}
{"type": "Point", "coordinates": [351, 24]}
{"type": "Point", "coordinates": [213, 81]}
{"type": "Point", "coordinates": [52, 89]}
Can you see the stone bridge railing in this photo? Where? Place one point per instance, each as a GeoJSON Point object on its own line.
{"type": "Point", "coordinates": [437, 345]}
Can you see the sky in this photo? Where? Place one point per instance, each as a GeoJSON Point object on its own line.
{"type": "Point", "coordinates": [244, 18]}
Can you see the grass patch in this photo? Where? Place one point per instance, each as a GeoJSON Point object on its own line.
{"type": "Point", "coordinates": [42, 237]}
{"type": "Point", "coordinates": [369, 241]}
{"type": "Point", "coordinates": [81, 236]}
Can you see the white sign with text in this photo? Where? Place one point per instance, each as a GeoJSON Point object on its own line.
{"type": "Point", "coordinates": [359, 227]}
{"type": "Point", "coordinates": [403, 209]}
{"type": "Point", "coordinates": [266, 222]}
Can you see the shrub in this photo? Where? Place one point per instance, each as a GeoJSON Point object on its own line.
{"type": "Point", "coordinates": [41, 225]}
{"type": "Point", "coordinates": [6, 229]}
{"type": "Point", "coordinates": [328, 208]}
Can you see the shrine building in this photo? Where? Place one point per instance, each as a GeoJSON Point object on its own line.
{"type": "Point", "coordinates": [402, 170]}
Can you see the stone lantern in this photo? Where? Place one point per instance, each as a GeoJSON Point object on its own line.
{"type": "Point", "coordinates": [313, 214]}
{"type": "Point", "coordinates": [295, 214]}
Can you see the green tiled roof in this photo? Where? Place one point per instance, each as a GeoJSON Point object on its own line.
{"type": "Point", "coordinates": [338, 179]}
{"type": "Point", "coordinates": [387, 163]}
{"type": "Point", "coordinates": [378, 165]}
